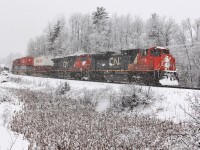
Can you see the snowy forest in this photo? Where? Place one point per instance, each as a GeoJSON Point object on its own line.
{"type": "Point", "coordinates": [101, 31]}
{"type": "Point", "coordinates": [46, 113]}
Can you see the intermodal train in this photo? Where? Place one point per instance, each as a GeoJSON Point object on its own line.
{"type": "Point", "coordinates": [148, 66]}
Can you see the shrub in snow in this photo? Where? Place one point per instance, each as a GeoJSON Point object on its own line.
{"type": "Point", "coordinates": [63, 88]}
{"type": "Point", "coordinates": [87, 97]}
{"type": "Point", "coordinates": [131, 97]}
{"type": "Point", "coordinates": [5, 97]}
{"type": "Point", "coordinates": [194, 130]}
{"type": "Point", "coordinates": [130, 101]}
{"type": "Point", "coordinates": [16, 79]}
{"type": "Point", "coordinates": [5, 116]}
{"type": "Point", "coordinates": [62, 123]}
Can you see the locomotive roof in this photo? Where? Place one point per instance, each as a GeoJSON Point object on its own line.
{"type": "Point", "coordinates": [130, 49]}
{"type": "Point", "coordinates": [159, 47]}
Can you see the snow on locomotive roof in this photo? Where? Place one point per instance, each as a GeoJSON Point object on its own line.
{"type": "Point", "coordinates": [83, 54]}
{"type": "Point", "coordinates": [75, 54]}
{"type": "Point", "coordinates": [129, 49]}
{"type": "Point", "coordinates": [159, 47]}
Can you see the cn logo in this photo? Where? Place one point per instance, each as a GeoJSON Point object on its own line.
{"type": "Point", "coordinates": [115, 61]}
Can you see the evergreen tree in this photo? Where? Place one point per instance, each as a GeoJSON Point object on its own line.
{"type": "Point", "coordinates": [100, 17]}
{"type": "Point", "coordinates": [153, 30]}
{"type": "Point", "coordinates": [54, 37]}
{"type": "Point", "coordinates": [100, 32]}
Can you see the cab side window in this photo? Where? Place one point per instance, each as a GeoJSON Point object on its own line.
{"type": "Point", "coordinates": [144, 52]}
{"type": "Point", "coordinates": [156, 52]}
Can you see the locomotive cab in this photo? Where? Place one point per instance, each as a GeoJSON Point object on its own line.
{"type": "Point", "coordinates": [153, 65]}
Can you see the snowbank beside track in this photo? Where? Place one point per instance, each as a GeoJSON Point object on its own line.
{"type": "Point", "coordinates": [169, 104]}
{"type": "Point", "coordinates": [162, 103]}
{"type": "Point", "coordinates": [9, 105]}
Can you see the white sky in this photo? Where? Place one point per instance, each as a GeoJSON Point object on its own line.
{"type": "Point", "coordinates": [21, 20]}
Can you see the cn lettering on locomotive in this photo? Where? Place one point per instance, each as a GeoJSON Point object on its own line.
{"type": "Point", "coordinates": [115, 61]}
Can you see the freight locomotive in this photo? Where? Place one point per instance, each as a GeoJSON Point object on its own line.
{"type": "Point", "coordinates": [149, 66]}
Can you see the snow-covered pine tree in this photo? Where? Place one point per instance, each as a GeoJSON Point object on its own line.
{"type": "Point", "coordinates": [196, 28]}
{"type": "Point", "coordinates": [100, 32]}
{"type": "Point", "coordinates": [53, 33]}
{"type": "Point", "coordinates": [153, 31]}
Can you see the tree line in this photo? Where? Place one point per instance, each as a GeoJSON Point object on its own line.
{"type": "Point", "coordinates": [101, 31]}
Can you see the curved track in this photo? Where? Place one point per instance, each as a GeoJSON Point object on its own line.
{"type": "Point", "coordinates": [177, 87]}
{"type": "Point", "coordinates": [161, 86]}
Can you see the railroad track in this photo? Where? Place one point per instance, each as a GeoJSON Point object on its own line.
{"type": "Point", "coordinates": [161, 86]}
{"type": "Point", "coordinates": [177, 87]}
{"type": "Point", "coordinates": [139, 84]}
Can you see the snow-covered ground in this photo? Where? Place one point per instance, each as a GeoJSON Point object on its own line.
{"type": "Point", "coordinates": [8, 106]}
{"type": "Point", "coordinates": [170, 104]}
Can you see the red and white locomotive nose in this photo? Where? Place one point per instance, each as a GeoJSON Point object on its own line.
{"type": "Point", "coordinates": [166, 63]}
{"type": "Point", "coordinates": [169, 68]}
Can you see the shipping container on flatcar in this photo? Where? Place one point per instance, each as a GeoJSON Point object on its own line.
{"type": "Point", "coordinates": [42, 65]}
{"type": "Point", "coordinates": [23, 65]}
{"type": "Point", "coordinates": [43, 61]}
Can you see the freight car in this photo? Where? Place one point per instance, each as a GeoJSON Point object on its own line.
{"type": "Point", "coordinates": [36, 66]}
{"type": "Point", "coordinates": [23, 65]}
{"type": "Point", "coordinates": [134, 65]}
{"type": "Point", "coordinates": [42, 66]}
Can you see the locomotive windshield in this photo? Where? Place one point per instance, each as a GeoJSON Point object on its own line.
{"type": "Point", "coordinates": [165, 51]}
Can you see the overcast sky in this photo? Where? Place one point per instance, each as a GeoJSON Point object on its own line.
{"type": "Point", "coordinates": [21, 20]}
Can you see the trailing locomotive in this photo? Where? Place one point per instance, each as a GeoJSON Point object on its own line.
{"type": "Point", "coordinates": [153, 65]}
